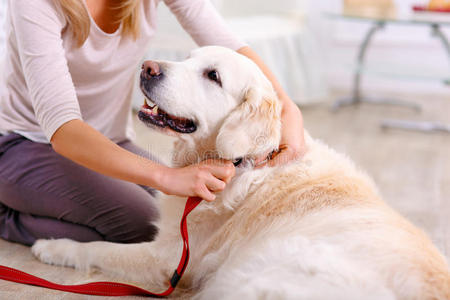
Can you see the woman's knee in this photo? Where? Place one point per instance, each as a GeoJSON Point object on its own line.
{"type": "Point", "coordinates": [131, 223]}
{"type": "Point", "coordinates": [138, 228]}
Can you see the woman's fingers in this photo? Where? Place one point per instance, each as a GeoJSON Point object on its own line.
{"type": "Point", "coordinates": [206, 194]}
{"type": "Point", "coordinates": [211, 176]}
{"type": "Point", "coordinates": [205, 190]}
{"type": "Point", "coordinates": [201, 180]}
{"type": "Point", "coordinates": [219, 168]}
{"type": "Point", "coordinates": [215, 185]}
{"type": "Point", "coordinates": [262, 160]}
{"type": "Point", "coordinates": [285, 155]}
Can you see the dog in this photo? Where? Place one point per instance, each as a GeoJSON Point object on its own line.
{"type": "Point", "coordinates": [314, 228]}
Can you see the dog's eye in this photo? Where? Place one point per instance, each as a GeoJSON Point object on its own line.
{"type": "Point", "coordinates": [214, 76]}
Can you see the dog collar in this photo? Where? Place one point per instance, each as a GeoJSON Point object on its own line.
{"type": "Point", "coordinates": [237, 161]}
{"type": "Point", "coordinates": [242, 162]}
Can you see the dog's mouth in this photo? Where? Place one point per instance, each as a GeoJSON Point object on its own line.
{"type": "Point", "coordinates": [152, 114]}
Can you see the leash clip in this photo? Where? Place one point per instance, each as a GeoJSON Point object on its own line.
{"type": "Point", "coordinates": [175, 278]}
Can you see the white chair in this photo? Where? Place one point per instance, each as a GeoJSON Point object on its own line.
{"type": "Point", "coordinates": [278, 32]}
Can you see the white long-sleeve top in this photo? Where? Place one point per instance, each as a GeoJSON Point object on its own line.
{"type": "Point", "coordinates": [49, 81]}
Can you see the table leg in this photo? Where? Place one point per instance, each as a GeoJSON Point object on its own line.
{"type": "Point", "coordinates": [437, 32]}
{"type": "Point", "coordinates": [356, 97]}
{"type": "Point", "coordinates": [424, 126]}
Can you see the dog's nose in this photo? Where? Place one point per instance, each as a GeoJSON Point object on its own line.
{"type": "Point", "coordinates": [150, 69]}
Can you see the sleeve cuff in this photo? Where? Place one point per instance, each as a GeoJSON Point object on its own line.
{"type": "Point", "coordinates": [52, 127]}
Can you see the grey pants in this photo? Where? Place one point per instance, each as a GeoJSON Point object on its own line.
{"type": "Point", "coordinates": [44, 195]}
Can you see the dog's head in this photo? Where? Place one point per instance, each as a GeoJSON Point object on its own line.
{"type": "Point", "coordinates": [216, 101]}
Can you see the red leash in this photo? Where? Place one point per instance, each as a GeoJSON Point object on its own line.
{"type": "Point", "coordinates": [112, 288]}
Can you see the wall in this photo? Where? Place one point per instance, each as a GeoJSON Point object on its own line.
{"type": "Point", "coordinates": [400, 49]}
{"type": "Point", "coordinates": [408, 49]}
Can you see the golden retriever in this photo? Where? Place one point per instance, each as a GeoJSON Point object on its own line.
{"type": "Point", "coordinates": [315, 228]}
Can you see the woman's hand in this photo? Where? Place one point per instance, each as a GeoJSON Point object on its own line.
{"type": "Point", "coordinates": [201, 180]}
{"type": "Point", "coordinates": [292, 144]}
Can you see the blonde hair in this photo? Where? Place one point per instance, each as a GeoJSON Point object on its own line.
{"type": "Point", "coordinates": [78, 20]}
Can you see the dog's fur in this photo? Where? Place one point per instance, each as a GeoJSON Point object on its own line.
{"type": "Point", "coordinates": [311, 229]}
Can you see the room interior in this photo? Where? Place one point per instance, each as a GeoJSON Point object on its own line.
{"type": "Point", "coordinates": [313, 47]}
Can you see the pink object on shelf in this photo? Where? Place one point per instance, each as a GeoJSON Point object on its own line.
{"type": "Point", "coordinates": [424, 8]}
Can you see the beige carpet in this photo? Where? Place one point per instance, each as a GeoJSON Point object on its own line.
{"type": "Point", "coordinates": [411, 169]}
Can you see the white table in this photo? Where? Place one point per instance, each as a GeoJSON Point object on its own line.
{"type": "Point", "coordinates": [433, 20]}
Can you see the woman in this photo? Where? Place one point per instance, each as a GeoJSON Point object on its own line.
{"type": "Point", "coordinates": [68, 167]}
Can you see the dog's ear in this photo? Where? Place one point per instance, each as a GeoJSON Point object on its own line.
{"type": "Point", "coordinates": [253, 128]}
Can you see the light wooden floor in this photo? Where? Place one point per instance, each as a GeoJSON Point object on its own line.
{"type": "Point", "coordinates": [411, 169]}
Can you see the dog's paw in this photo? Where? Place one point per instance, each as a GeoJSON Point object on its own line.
{"type": "Point", "coordinates": [62, 252]}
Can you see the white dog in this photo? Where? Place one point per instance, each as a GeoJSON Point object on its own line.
{"type": "Point", "coordinates": [312, 229]}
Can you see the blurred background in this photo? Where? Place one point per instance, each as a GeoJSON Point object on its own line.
{"type": "Point", "coordinates": [390, 62]}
